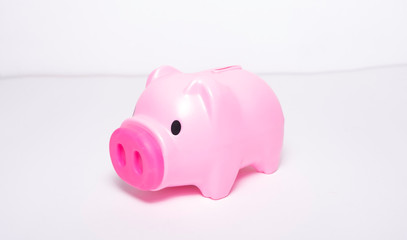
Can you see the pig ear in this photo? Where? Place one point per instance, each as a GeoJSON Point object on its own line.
{"type": "Point", "coordinates": [207, 90]}
{"type": "Point", "coordinates": [160, 72]}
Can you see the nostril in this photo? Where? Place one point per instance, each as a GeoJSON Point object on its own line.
{"type": "Point", "coordinates": [121, 156]}
{"type": "Point", "coordinates": [138, 164]}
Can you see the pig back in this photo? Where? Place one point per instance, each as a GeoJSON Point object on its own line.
{"type": "Point", "coordinates": [261, 117]}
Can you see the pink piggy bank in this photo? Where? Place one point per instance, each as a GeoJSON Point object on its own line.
{"type": "Point", "coordinates": [199, 129]}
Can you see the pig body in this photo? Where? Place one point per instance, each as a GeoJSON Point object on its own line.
{"type": "Point", "coordinates": [199, 129]}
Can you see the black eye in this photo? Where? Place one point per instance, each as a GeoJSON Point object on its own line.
{"type": "Point", "coordinates": [175, 127]}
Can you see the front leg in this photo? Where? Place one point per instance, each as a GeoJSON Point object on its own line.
{"type": "Point", "coordinates": [219, 182]}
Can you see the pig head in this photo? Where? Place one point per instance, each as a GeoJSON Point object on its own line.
{"type": "Point", "coordinates": [183, 132]}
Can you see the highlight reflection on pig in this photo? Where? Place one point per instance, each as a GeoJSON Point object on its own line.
{"type": "Point", "coordinates": [199, 129]}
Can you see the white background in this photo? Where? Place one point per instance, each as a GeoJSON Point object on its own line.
{"type": "Point", "coordinates": [72, 71]}
{"type": "Point", "coordinates": [342, 174]}
{"type": "Point", "coordinates": [134, 37]}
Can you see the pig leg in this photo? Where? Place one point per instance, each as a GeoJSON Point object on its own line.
{"type": "Point", "coordinates": [220, 180]}
{"type": "Point", "coordinates": [267, 162]}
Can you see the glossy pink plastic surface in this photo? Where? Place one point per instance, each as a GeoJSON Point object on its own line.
{"type": "Point", "coordinates": [229, 118]}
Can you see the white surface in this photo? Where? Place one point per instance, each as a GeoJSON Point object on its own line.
{"type": "Point", "coordinates": [342, 174]}
{"type": "Point", "coordinates": [133, 37]}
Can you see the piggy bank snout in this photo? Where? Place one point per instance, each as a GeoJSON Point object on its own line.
{"type": "Point", "coordinates": [137, 157]}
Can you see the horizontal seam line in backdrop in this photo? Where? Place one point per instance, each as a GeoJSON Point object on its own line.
{"type": "Point", "coordinates": [110, 75]}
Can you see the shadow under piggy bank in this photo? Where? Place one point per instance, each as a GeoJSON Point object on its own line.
{"type": "Point", "coordinates": [172, 192]}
